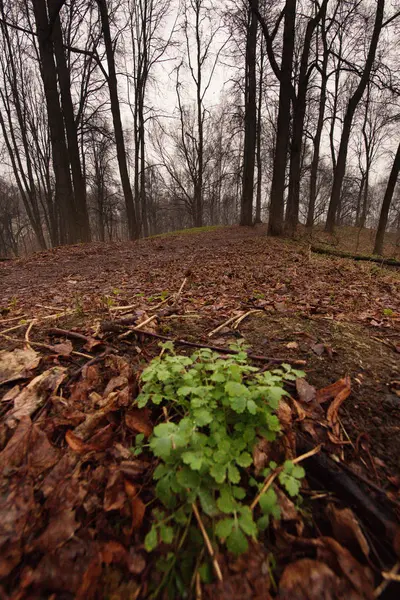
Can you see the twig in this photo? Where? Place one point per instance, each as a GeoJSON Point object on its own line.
{"type": "Point", "coordinates": [37, 319]}
{"type": "Point", "coordinates": [272, 476]}
{"type": "Point", "coordinates": [243, 317]}
{"type": "Point", "coordinates": [27, 332]}
{"type": "Point", "coordinates": [386, 580]}
{"type": "Point", "coordinates": [68, 334]}
{"type": "Point", "coordinates": [143, 323]}
{"type": "Point", "coordinates": [223, 325]}
{"type": "Point", "coordinates": [210, 549]}
{"type": "Point", "coordinates": [12, 319]}
{"type": "Point", "coordinates": [112, 326]}
{"type": "Point", "coordinates": [179, 292]}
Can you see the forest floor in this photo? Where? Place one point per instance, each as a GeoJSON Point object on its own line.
{"type": "Point", "coordinates": [69, 482]}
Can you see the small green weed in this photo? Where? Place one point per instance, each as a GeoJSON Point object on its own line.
{"type": "Point", "coordinates": [218, 407]}
{"type": "Point", "coordinates": [387, 312]}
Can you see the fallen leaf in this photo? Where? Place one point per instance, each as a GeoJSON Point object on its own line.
{"type": "Point", "coordinates": [89, 584]}
{"type": "Point", "coordinates": [306, 392]}
{"type": "Point", "coordinates": [34, 394]}
{"type": "Point", "coordinates": [17, 519]}
{"type": "Point", "coordinates": [29, 446]}
{"type": "Point", "coordinates": [63, 349]}
{"type": "Point", "coordinates": [332, 414]}
{"type": "Point", "coordinates": [76, 443]}
{"type": "Point", "coordinates": [331, 391]}
{"type": "Point", "coordinates": [346, 528]}
{"type": "Point", "coordinates": [114, 495]}
{"type": "Point", "coordinates": [138, 508]}
{"type": "Point", "coordinates": [292, 345]}
{"type": "Point", "coordinates": [360, 577]}
{"type": "Point", "coordinates": [138, 420]}
{"type": "Point", "coordinates": [318, 349]}
{"type": "Point", "coordinates": [60, 529]}
{"type": "Point", "coordinates": [308, 579]}
{"type": "Point", "coordinates": [17, 364]}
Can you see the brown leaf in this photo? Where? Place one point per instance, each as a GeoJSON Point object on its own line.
{"type": "Point", "coordinates": [318, 349]}
{"type": "Point", "coordinates": [114, 495]}
{"type": "Point", "coordinates": [306, 392]}
{"type": "Point", "coordinates": [308, 579]}
{"type": "Point", "coordinates": [60, 529]}
{"type": "Point", "coordinates": [17, 518]}
{"type": "Point", "coordinates": [138, 507]}
{"type": "Point", "coordinates": [138, 420]}
{"type": "Point", "coordinates": [76, 443]}
{"type": "Point", "coordinates": [29, 445]}
{"type": "Point", "coordinates": [332, 414]}
{"type": "Point", "coordinates": [34, 394]}
{"type": "Point", "coordinates": [17, 364]}
{"type": "Point", "coordinates": [342, 560]}
{"type": "Point", "coordinates": [346, 528]}
{"type": "Point", "coordinates": [292, 345]}
{"type": "Point", "coordinates": [88, 587]}
{"type": "Point", "coordinates": [331, 391]}
{"type": "Point", "coordinates": [134, 469]}
{"type": "Point", "coordinates": [261, 455]}
{"type": "Point", "coordinates": [114, 552]}
{"type": "Point", "coordinates": [63, 349]}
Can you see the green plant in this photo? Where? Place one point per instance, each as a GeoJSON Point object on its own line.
{"type": "Point", "coordinates": [387, 312]}
{"type": "Point", "coordinates": [218, 407]}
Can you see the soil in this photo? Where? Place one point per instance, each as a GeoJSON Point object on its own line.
{"type": "Point", "coordinates": [334, 316]}
{"type": "Point", "coordinates": [352, 308]}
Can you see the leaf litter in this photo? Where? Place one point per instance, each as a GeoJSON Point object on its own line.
{"type": "Point", "coordinates": [74, 497]}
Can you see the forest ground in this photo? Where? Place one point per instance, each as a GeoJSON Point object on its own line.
{"type": "Point", "coordinates": [339, 316]}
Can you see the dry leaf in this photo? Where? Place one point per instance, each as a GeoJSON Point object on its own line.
{"type": "Point", "coordinates": [17, 364]}
{"type": "Point", "coordinates": [115, 495]}
{"type": "Point", "coordinates": [318, 349]}
{"type": "Point", "coordinates": [332, 414]}
{"type": "Point", "coordinates": [292, 345]}
{"type": "Point", "coordinates": [34, 394]}
{"type": "Point", "coordinates": [331, 391]}
{"type": "Point", "coordinates": [346, 528]}
{"type": "Point", "coordinates": [60, 529]}
{"type": "Point", "coordinates": [138, 420]}
{"type": "Point", "coordinates": [28, 446]}
{"type": "Point", "coordinates": [360, 577]}
{"type": "Point", "coordinates": [308, 579]}
{"type": "Point", "coordinates": [306, 392]}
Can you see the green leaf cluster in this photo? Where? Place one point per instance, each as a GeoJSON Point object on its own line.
{"type": "Point", "coordinates": [218, 406]}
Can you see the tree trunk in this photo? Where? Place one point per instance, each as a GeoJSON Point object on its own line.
{"type": "Point", "coordinates": [78, 181]}
{"type": "Point", "coordinates": [276, 209]}
{"type": "Point", "coordinates": [340, 169]}
{"type": "Point", "coordinates": [292, 209]}
{"type": "Point", "coordinates": [63, 186]}
{"type": "Point", "coordinates": [250, 122]}
{"type": "Point", "coordinates": [116, 114]}
{"type": "Point", "coordinates": [394, 173]}
{"type": "Point", "coordinates": [259, 132]}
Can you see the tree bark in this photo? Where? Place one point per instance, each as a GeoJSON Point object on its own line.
{"type": "Point", "coordinates": [259, 132]}
{"type": "Point", "coordinates": [276, 210]}
{"type": "Point", "coordinates": [83, 233]}
{"type": "Point", "coordinates": [116, 115]}
{"type": "Point", "coordinates": [340, 169]}
{"type": "Point", "coordinates": [250, 122]}
{"type": "Point", "coordinates": [63, 185]}
{"type": "Point", "coordinates": [394, 173]}
{"type": "Point", "coordinates": [292, 209]}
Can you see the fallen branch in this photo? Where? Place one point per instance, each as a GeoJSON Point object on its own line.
{"type": "Point", "coordinates": [74, 335]}
{"type": "Point", "coordinates": [361, 257]}
{"type": "Point", "coordinates": [115, 327]}
{"type": "Point", "coordinates": [375, 511]}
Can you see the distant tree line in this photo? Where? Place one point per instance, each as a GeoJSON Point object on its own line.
{"type": "Point", "coordinates": [114, 122]}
